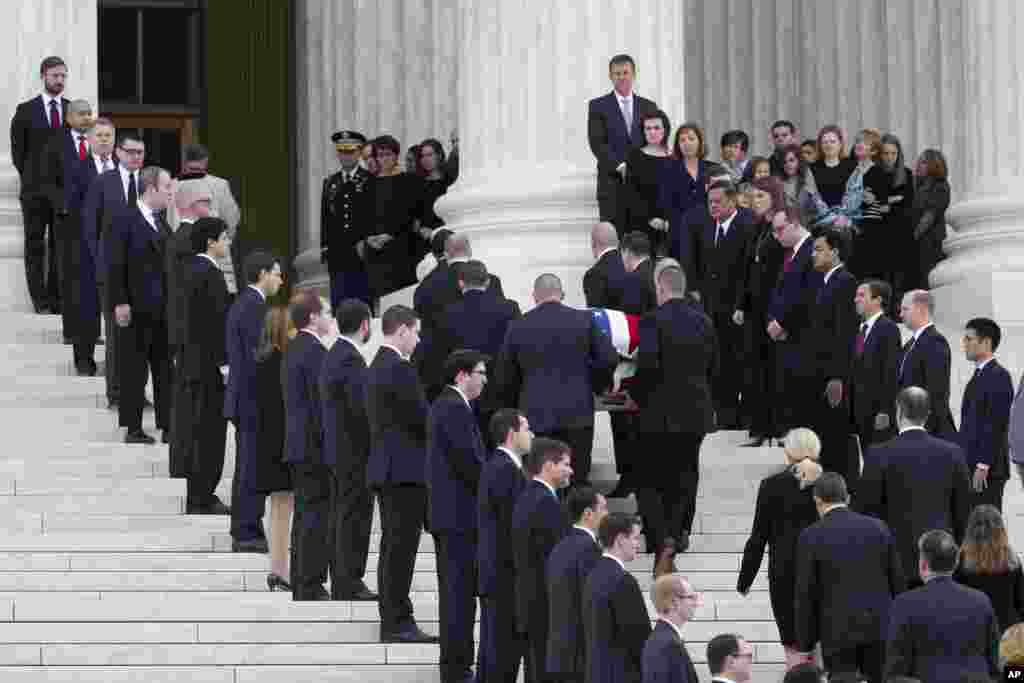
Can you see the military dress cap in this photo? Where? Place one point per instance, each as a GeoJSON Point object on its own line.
{"type": "Point", "coordinates": [348, 140]}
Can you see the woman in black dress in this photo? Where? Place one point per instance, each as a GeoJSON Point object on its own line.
{"type": "Point", "coordinates": [832, 172]}
{"type": "Point", "coordinates": [928, 217]}
{"type": "Point", "coordinates": [272, 476]}
{"type": "Point", "coordinates": [785, 507]}
{"type": "Point", "coordinates": [651, 174]}
{"type": "Point", "coordinates": [988, 563]}
{"type": "Point", "coordinates": [432, 168]}
{"type": "Point", "coordinates": [899, 240]}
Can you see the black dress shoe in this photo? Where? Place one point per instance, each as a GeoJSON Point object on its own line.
{"type": "Point", "coordinates": [363, 594]}
{"type": "Point", "coordinates": [276, 583]}
{"type": "Point", "coordinates": [215, 507]}
{"type": "Point", "coordinates": [256, 545]}
{"type": "Point", "coordinates": [68, 341]}
{"type": "Point", "coordinates": [166, 437]}
{"type": "Point", "coordinates": [111, 404]}
{"type": "Point", "coordinates": [85, 370]}
{"type": "Point", "coordinates": [317, 594]}
{"type": "Point", "coordinates": [138, 436]}
{"type": "Point", "coordinates": [41, 309]}
{"type": "Point", "coordinates": [407, 634]}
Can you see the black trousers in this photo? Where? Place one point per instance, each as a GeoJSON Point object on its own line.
{"type": "Point", "coordinates": [832, 425]}
{"type": "Point", "coordinates": [37, 215]}
{"type": "Point", "coordinates": [867, 658]}
{"type": "Point", "coordinates": [667, 489]}
{"type": "Point", "coordinates": [310, 547]}
{"type": "Point", "coordinates": [759, 387]}
{"type": "Point", "coordinates": [66, 231]}
{"type": "Point", "coordinates": [207, 436]}
{"type": "Point", "coordinates": [351, 522]}
{"type": "Point", "coordinates": [626, 442]}
{"type": "Point", "coordinates": [111, 358]}
{"type": "Point", "coordinates": [612, 201]}
{"type": "Point", "coordinates": [728, 382]}
{"type": "Point", "coordinates": [403, 512]}
{"type": "Point", "coordinates": [581, 441]}
{"type": "Point", "coordinates": [501, 647]}
{"type": "Point", "coordinates": [456, 585]}
{"type": "Point", "coordinates": [535, 659]}
{"type": "Point", "coordinates": [144, 345]}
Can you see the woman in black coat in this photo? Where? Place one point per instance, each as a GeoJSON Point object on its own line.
{"type": "Point", "coordinates": [785, 507]}
{"type": "Point", "coordinates": [988, 564]}
{"type": "Point", "coordinates": [928, 217]}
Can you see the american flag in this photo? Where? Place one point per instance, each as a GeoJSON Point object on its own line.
{"type": "Point", "coordinates": [624, 331]}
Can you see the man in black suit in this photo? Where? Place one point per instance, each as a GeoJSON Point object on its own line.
{"type": "Point", "coordinates": [242, 332]}
{"type": "Point", "coordinates": [675, 363]}
{"type": "Point", "coordinates": [345, 217]}
{"type": "Point", "coordinates": [568, 567]}
{"type": "Point", "coordinates": [723, 242]}
{"type": "Point", "coordinates": [538, 524]}
{"type": "Point", "coordinates": [873, 381]}
{"type": "Point", "coordinates": [203, 366]}
{"type": "Point", "coordinates": [688, 230]}
{"type": "Point", "coordinates": [603, 281]}
{"type": "Point", "coordinates": [304, 451]}
{"type": "Point", "coordinates": [942, 630]}
{"type": "Point", "coordinates": [847, 572]}
{"type": "Point", "coordinates": [553, 361]}
{"type": "Point", "coordinates": [613, 129]}
{"type": "Point", "coordinates": [985, 414]}
{"type": "Point", "coordinates": [34, 123]}
{"type": "Point", "coordinates": [926, 361]}
{"type": "Point", "coordinates": [347, 436]}
{"type": "Point", "coordinates": [638, 295]}
{"type": "Point", "coordinates": [915, 482]}
{"type": "Point", "coordinates": [833, 326]}
{"type": "Point", "coordinates": [397, 411]}
{"type": "Point", "coordinates": [615, 621]}
{"type": "Point", "coordinates": [729, 658]}
{"type": "Point", "coordinates": [502, 479]}
{"type": "Point", "coordinates": [138, 294]}
{"type": "Point", "coordinates": [665, 659]}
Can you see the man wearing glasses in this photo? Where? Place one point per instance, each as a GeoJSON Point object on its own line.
{"type": "Point", "coordinates": [665, 659]}
{"type": "Point", "coordinates": [729, 658]}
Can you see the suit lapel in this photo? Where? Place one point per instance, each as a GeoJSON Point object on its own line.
{"type": "Point", "coordinates": [613, 99]}
{"type": "Point", "coordinates": [41, 113]}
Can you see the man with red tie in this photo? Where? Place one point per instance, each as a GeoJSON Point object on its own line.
{"type": "Point", "coordinates": [873, 379]}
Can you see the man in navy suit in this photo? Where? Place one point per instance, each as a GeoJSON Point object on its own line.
{"type": "Point", "coordinates": [455, 456]}
{"type": "Point", "coordinates": [729, 658]}
{"type": "Point", "coordinates": [615, 621]}
{"type": "Point", "coordinates": [538, 524]}
{"type": "Point", "coordinates": [34, 123]}
{"type": "Point", "coordinates": [665, 658]}
{"type": "Point", "coordinates": [926, 361]}
{"type": "Point", "coordinates": [137, 284]}
{"type": "Point", "coordinates": [873, 380]}
{"type": "Point", "coordinates": [985, 414]}
{"type": "Point", "coordinates": [638, 295]}
{"type": "Point", "coordinates": [568, 567]}
{"type": "Point", "coordinates": [242, 337]}
{"type": "Point", "coordinates": [397, 410]}
{"type": "Point", "coordinates": [347, 436]}
{"type": "Point", "coordinates": [915, 482]}
{"type": "Point", "coordinates": [502, 479]}
{"type": "Point", "coordinates": [833, 326]}
{"type": "Point", "coordinates": [613, 128]}
{"type": "Point", "coordinates": [847, 572]}
{"type": "Point", "coordinates": [549, 363]}
{"type": "Point", "coordinates": [304, 451]}
{"type": "Point", "coordinates": [942, 630]}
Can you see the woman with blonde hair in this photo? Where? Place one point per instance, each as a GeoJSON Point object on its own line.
{"type": "Point", "coordinates": [989, 564]}
{"type": "Point", "coordinates": [785, 507]}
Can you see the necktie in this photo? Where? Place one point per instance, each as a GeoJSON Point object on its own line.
{"type": "Point", "coordinates": [54, 115]}
{"type": "Point", "coordinates": [906, 354]}
{"type": "Point", "coordinates": [82, 151]}
{"type": "Point", "coordinates": [133, 194]}
{"type": "Point", "coordinates": [787, 261]}
{"type": "Point", "coordinates": [719, 234]}
{"type": "Point", "coordinates": [106, 163]}
{"type": "Point", "coordinates": [861, 338]}
{"type": "Point", "coordinates": [627, 115]}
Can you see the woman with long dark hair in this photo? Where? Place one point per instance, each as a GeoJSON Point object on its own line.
{"type": "Point", "coordinates": [651, 174]}
{"type": "Point", "coordinates": [798, 184]}
{"type": "Point", "coordinates": [928, 216]}
{"type": "Point", "coordinates": [989, 564]}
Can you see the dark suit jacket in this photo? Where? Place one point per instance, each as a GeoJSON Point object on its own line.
{"type": "Point", "coordinates": [30, 133]}
{"type": "Point", "coordinates": [135, 264]}
{"type": "Point", "coordinates": [59, 171]}
{"type": "Point", "coordinates": [609, 139]}
{"type": "Point", "coordinates": [603, 282]}
{"type": "Point", "coordinates": [985, 420]}
{"type": "Point", "coordinates": [303, 407]}
{"type": "Point", "coordinates": [927, 364]}
{"type": "Point", "coordinates": [684, 239]}
{"type": "Point", "coordinates": [615, 622]}
{"type": "Point", "coordinates": [343, 391]}
{"type": "Point", "coordinates": [178, 255]}
{"type": "Point", "coordinates": [915, 483]}
{"type": "Point", "coordinates": [243, 330]}
{"type": "Point", "coordinates": [538, 524]}
{"type": "Point", "coordinates": [548, 360]}
{"type": "Point", "coordinates": [794, 294]}
{"type": "Point", "coordinates": [834, 322]}
{"type": "Point", "coordinates": [665, 659]}
{"type": "Point", "coordinates": [940, 630]}
{"type": "Point", "coordinates": [439, 290]}
{"type": "Point", "coordinates": [638, 293]}
{"type": "Point", "coordinates": [874, 380]}
{"type": "Point", "coordinates": [397, 410]}
{"type": "Point", "coordinates": [455, 455]}
{"type": "Point", "coordinates": [675, 361]}
{"type": "Point", "coordinates": [501, 483]}
{"type": "Point", "coordinates": [722, 268]}
{"type": "Point", "coordinates": [847, 572]}
{"type": "Point", "coordinates": [206, 311]}
{"type": "Point", "coordinates": [568, 567]}
{"type": "Point", "coordinates": [104, 200]}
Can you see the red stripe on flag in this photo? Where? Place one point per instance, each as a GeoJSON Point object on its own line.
{"type": "Point", "coordinates": [634, 331]}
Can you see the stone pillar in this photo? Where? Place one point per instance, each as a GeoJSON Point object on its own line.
{"type": "Point", "coordinates": [526, 193]}
{"type": "Point", "coordinates": [31, 30]}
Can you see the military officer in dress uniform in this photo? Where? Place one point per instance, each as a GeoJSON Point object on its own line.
{"type": "Point", "coordinates": [345, 207]}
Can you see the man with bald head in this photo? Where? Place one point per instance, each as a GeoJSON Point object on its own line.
{"type": "Point", "coordinates": [553, 361]}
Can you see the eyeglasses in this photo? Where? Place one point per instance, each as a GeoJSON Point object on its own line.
{"type": "Point", "coordinates": [480, 372]}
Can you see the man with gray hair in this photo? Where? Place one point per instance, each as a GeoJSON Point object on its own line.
{"type": "Point", "coordinates": [926, 360]}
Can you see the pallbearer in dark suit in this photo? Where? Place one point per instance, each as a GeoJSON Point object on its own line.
{"type": "Point", "coordinates": [874, 370]}
{"type": "Point", "coordinates": [985, 414]}
{"type": "Point", "coordinates": [638, 295]}
{"type": "Point", "coordinates": [665, 659]}
{"type": "Point", "coordinates": [926, 361]}
{"type": "Point", "coordinates": [347, 436]}
{"type": "Point", "coordinates": [502, 479]}
{"type": "Point", "coordinates": [568, 567]}
{"type": "Point", "coordinates": [833, 319]}
{"type": "Point", "coordinates": [203, 365]}
{"type": "Point", "coordinates": [455, 456]}
{"type": "Point", "coordinates": [138, 293]}
{"type": "Point", "coordinates": [615, 620]}
{"type": "Point", "coordinates": [397, 411]}
{"type": "Point", "coordinates": [304, 446]}
{"type": "Point", "coordinates": [346, 214]}
{"type": "Point", "coordinates": [538, 524]}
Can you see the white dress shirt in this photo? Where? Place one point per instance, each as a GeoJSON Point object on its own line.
{"type": "Point", "coordinates": [47, 98]}
{"type": "Point", "coordinates": [547, 485]}
{"type": "Point", "coordinates": [395, 349]}
{"type": "Point", "coordinates": [515, 458]}
{"type": "Point", "coordinates": [465, 400]}
{"type": "Point", "coordinates": [870, 322]}
{"type": "Point", "coordinates": [101, 165]}
{"type": "Point", "coordinates": [829, 273]}
{"type": "Point", "coordinates": [589, 531]}
{"type": "Point", "coordinates": [148, 214]}
{"type": "Point", "coordinates": [259, 291]}
{"type": "Point", "coordinates": [621, 563]}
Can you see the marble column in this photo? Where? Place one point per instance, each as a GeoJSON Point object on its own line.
{"type": "Point", "coordinates": [31, 30]}
{"type": "Point", "coordinates": [526, 71]}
